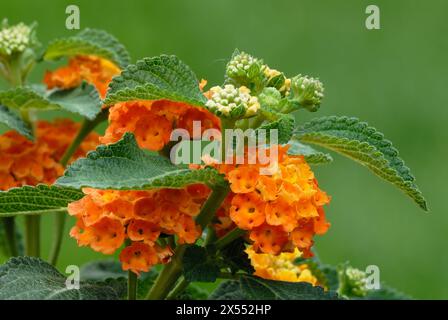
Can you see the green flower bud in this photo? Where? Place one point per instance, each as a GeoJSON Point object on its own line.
{"type": "Point", "coordinates": [16, 39]}
{"type": "Point", "coordinates": [307, 91]}
{"type": "Point", "coordinates": [246, 70]}
{"type": "Point", "coordinates": [233, 103]}
{"type": "Point", "coordinates": [352, 282]}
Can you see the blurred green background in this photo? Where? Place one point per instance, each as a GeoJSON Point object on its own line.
{"type": "Point", "coordinates": [394, 78]}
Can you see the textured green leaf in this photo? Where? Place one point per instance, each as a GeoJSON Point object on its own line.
{"type": "Point", "coordinates": [255, 288]}
{"type": "Point", "coordinates": [29, 200]}
{"type": "Point", "coordinates": [27, 278]}
{"type": "Point", "coordinates": [228, 290]}
{"type": "Point", "coordinates": [12, 121]}
{"type": "Point", "coordinates": [124, 165]}
{"type": "Point", "coordinates": [199, 265]}
{"type": "Point", "coordinates": [83, 100]}
{"type": "Point", "coordinates": [385, 293]}
{"type": "Point", "coordinates": [311, 155]}
{"type": "Point", "coordinates": [365, 145]}
{"type": "Point", "coordinates": [89, 42]}
{"type": "Point", "coordinates": [284, 126]}
{"type": "Point", "coordinates": [162, 77]}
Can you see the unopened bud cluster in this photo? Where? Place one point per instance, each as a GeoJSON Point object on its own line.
{"type": "Point", "coordinates": [356, 281]}
{"type": "Point", "coordinates": [231, 102]}
{"type": "Point", "coordinates": [308, 91]}
{"type": "Point", "coordinates": [15, 39]}
{"type": "Point", "coordinates": [242, 65]}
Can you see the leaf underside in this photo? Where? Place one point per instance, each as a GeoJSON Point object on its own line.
{"type": "Point", "coordinates": [89, 42]}
{"type": "Point", "coordinates": [124, 166]}
{"type": "Point", "coordinates": [311, 155]}
{"type": "Point", "coordinates": [30, 200]}
{"type": "Point", "coordinates": [162, 77]}
{"type": "Point", "coordinates": [13, 121]}
{"type": "Point", "coordinates": [83, 100]}
{"type": "Point", "coordinates": [365, 145]}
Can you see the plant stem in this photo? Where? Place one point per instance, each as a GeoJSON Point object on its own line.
{"type": "Point", "coordinates": [132, 285]}
{"type": "Point", "coordinates": [229, 238]}
{"type": "Point", "coordinates": [86, 127]}
{"type": "Point", "coordinates": [32, 235]}
{"type": "Point", "coordinates": [59, 219]}
{"type": "Point", "coordinates": [58, 232]}
{"type": "Point", "coordinates": [178, 289]}
{"type": "Point", "coordinates": [10, 232]}
{"type": "Point", "coordinates": [173, 270]}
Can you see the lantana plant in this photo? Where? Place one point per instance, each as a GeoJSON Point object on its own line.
{"type": "Point", "coordinates": [230, 218]}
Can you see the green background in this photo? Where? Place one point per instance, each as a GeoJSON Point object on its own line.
{"type": "Point", "coordinates": [394, 78]}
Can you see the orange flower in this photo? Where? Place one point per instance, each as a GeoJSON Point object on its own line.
{"type": "Point", "coordinates": [24, 162]}
{"type": "Point", "coordinates": [153, 121]}
{"type": "Point", "coordinates": [281, 210]}
{"type": "Point", "coordinates": [106, 218]}
{"type": "Point", "coordinates": [138, 257]}
{"type": "Point", "coordinates": [95, 70]}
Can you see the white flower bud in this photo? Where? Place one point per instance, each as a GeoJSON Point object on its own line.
{"type": "Point", "coordinates": [237, 104]}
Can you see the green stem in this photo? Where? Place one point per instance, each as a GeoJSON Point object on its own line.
{"type": "Point", "coordinates": [10, 232]}
{"type": "Point", "coordinates": [178, 289]}
{"type": "Point", "coordinates": [229, 238]}
{"type": "Point", "coordinates": [58, 232]}
{"type": "Point", "coordinates": [132, 286]}
{"type": "Point", "coordinates": [59, 220]}
{"type": "Point", "coordinates": [86, 127]}
{"type": "Point", "coordinates": [173, 270]}
{"type": "Point", "coordinates": [32, 235]}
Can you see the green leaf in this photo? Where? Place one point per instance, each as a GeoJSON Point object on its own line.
{"type": "Point", "coordinates": [236, 258]}
{"type": "Point", "coordinates": [228, 290]}
{"type": "Point", "coordinates": [162, 77]}
{"type": "Point", "coordinates": [14, 122]}
{"type": "Point", "coordinates": [385, 293]}
{"type": "Point", "coordinates": [124, 166]}
{"type": "Point", "coordinates": [199, 265]}
{"type": "Point", "coordinates": [27, 278]}
{"type": "Point", "coordinates": [193, 292]}
{"type": "Point", "coordinates": [311, 155]}
{"type": "Point", "coordinates": [255, 288]}
{"type": "Point", "coordinates": [30, 200]}
{"type": "Point", "coordinates": [365, 145]}
{"type": "Point", "coordinates": [89, 42]}
{"type": "Point", "coordinates": [104, 270]}
{"type": "Point", "coordinates": [83, 100]}
{"type": "Point", "coordinates": [284, 126]}
{"type": "Point", "coordinates": [5, 249]}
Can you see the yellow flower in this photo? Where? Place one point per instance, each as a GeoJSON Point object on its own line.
{"type": "Point", "coordinates": [280, 267]}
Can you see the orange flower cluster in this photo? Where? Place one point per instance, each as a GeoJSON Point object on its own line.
{"type": "Point", "coordinates": [281, 211]}
{"type": "Point", "coordinates": [153, 121]}
{"type": "Point", "coordinates": [96, 71]}
{"type": "Point", "coordinates": [106, 218]}
{"type": "Point", "coordinates": [24, 162]}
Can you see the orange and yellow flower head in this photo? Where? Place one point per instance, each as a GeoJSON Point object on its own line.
{"type": "Point", "coordinates": [106, 218]}
{"type": "Point", "coordinates": [281, 210]}
{"type": "Point", "coordinates": [95, 70]}
{"type": "Point", "coordinates": [24, 162]}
